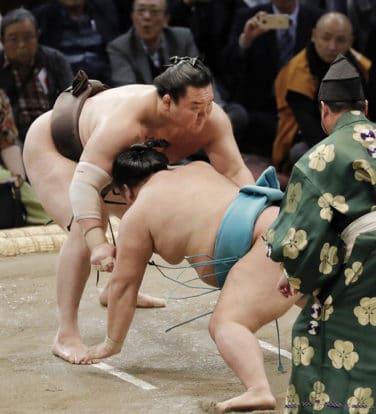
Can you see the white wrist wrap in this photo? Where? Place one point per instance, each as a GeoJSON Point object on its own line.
{"type": "Point", "coordinates": [87, 183]}
{"type": "Point", "coordinates": [94, 237]}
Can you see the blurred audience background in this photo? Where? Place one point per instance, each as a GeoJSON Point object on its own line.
{"type": "Point", "coordinates": [266, 77]}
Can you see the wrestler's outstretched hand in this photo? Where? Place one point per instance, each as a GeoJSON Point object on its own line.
{"type": "Point", "coordinates": [105, 349]}
{"type": "Point", "coordinates": [103, 256]}
{"type": "Point", "coordinates": [285, 288]}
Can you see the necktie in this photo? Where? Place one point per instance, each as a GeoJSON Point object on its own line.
{"type": "Point", "coordinates": [286, 47]}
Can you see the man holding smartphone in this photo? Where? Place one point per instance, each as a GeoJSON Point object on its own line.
{"type": "Point", "coordinates": [262, 39]}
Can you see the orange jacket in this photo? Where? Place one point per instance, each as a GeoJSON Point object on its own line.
{"type": "Point", "coordinates": [296, 76]}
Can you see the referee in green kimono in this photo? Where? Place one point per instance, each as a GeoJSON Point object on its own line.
{"type": "Point", "coordinates": [325, 237]}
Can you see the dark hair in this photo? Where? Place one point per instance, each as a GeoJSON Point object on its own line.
{"type": "Point", "coordinates": [183, 72]}
{"type": "Point", "coordinates": [337, 107]}
{"type": "Point", "coordinates": [17, 16]}
{"type": "Point", "coordinates": [138, 162]}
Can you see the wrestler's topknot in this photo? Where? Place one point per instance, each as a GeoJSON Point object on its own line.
{"type": "Point", "coordinates": [182, 72]}
{"type": "Point", "coordinates": [138, 162]}
{"type": "Point", "coordinates": [150, 143]}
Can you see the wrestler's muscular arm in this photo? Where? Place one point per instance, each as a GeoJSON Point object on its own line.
{"type": "Point", "coordinates": [109, 137]}
{"type": "Point", "coordinates": [135, 247]}
{"type": "Point", "coordinates": [222, 149]}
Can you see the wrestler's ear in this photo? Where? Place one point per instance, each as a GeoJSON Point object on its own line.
{"type": "Point", "coordinates": [129, 194]}
{"type": "Point", "coordinates": [166, 100]}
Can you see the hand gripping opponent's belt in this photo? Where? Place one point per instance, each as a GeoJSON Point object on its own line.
{"type": "Point", "coordinates": [66, 113]}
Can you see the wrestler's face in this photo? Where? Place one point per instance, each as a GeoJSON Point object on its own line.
{"type": "Point", "coordinates": [20, 42]}
{"type": "Point", "coordinates": [149, 17]}
{"type": "Point", "coordinates": [193, 109]}
{"type": "Point", "coordinates": [331, 37]}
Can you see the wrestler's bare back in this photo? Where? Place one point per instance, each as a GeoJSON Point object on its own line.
{"type": "Point", "coordinates": [178, 213]}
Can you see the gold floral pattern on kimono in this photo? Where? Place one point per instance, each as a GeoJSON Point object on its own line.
{"type": "Point", "coordinates": [343, 355]}
{"type": "Point", "coordinates": [327, 308]}
{"type": "Point", "coordinates": [294, 242]}
{"type": "Point", "coordinates": [295, 282]}
{"type": "Point", "coordinates": [318, 397]}
{"type": "Point", "coordinates": [302, 352]}
{"type": "Point", "coordinates": [328, 257]}
{"type": "Point", "coordinates": [294, 194]}
{"type": "Point", "coordinates": [364, 172]}
{"type": "Point", "coordinates": [361, 401]}
{"type": "Point", "coordinates": [352, 274]}
{"type": "Point", "coordinates": [292, 401]}
{"type": "Point", "coordinates": [366, 311]}
{"type": "Point", "coordinates": [270, 236]}
{"type": "Point", "coordinates": [322, 155]}
{"type": "Point", "coordinates": [327, 201]}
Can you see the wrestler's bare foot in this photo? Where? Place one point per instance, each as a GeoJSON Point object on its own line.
{"type": "Point", "coordinates": [147, 301]}
{"type": "Point", "coordinates": [71, 350]}
{"type": "Point", "coordinates": [143, 300]}
{"type": "Point", "coordinates": [253, 399]}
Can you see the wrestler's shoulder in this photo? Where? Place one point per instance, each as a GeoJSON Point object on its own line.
{"type": "Point", "coordinates": [131, 91]}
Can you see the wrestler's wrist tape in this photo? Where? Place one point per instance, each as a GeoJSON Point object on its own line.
{"type": "Point", "coordinates": [94, 237]}
{"type": "Point", "coordinates": [84, 191]}
{"type": "Point", "coordinates": [114, 346]}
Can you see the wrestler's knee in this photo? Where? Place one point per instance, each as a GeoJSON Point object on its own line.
{"type": "Point", "coordinates": [218, 326]}
{"type": "Point", "coordinates": [76, 242]}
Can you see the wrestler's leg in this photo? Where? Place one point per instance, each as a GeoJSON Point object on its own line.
{"type": "Point", "coordinates": [50, 175]}
{"type": "Point", "coordinates": [73, 269]}
{"type": "Point", "coordinates": [143, 299]}
{"type": "Point", "coordinates": [248, 300]}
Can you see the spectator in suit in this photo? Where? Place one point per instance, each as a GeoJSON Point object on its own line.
{"type": "Point", "coordinates": [145, 49]}
{"type": "Point", "coordinates": [254, 56]}
{"type": "Point", "coordinates": [32, 75]}
{"type": "Point", "coordinates": [209, 21]}
{"type": "Point", "coordinates": [297, 84]}
{"type": "Point", "coordinates": [80, 29]}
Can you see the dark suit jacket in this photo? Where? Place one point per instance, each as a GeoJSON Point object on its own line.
{"type": "Point", "coordinates": [254, 70]}
{"type": "Point", "coordinates": [50, 18]}
{"type": "Point", "coordinates": [129, 61]}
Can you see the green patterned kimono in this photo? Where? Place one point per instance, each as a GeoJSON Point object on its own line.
{"type": "Point", "coordinates": [334, 337]}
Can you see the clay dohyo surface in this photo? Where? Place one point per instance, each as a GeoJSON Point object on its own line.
{"type": "Point", "coordinates": [183, 365]}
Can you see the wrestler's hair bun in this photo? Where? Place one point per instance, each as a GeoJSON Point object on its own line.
{"type": "Point", "coordinates": [150, 143]}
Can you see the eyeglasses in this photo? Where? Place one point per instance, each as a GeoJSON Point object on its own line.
{"type": "Point", "coordinates": [153, 12]}
{"type": "Point", "coordinates": [16, 40]}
